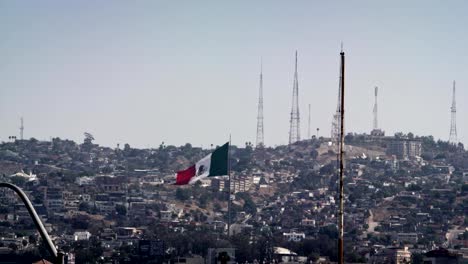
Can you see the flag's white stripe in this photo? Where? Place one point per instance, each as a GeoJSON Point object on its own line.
{"type": "Point", "coordinates": [202, 169]}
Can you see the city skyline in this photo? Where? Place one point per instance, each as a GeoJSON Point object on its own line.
{"type": "Point", "coordinates": [147, 73]}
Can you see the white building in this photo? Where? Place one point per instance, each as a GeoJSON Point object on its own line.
{"type": "Point", "coordinates": [293, 236]}
{"type": "Point", "coordinates": [81, 235]}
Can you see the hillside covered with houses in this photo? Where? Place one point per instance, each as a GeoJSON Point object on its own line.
{"type": "Point", "coordinates": [405, 197]}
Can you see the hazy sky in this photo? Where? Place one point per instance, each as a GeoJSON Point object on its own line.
{"type": "Point", "coordinates": [143, 72]}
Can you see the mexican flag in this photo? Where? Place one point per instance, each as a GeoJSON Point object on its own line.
{"type": "Point", "coordinates": [215, 164]}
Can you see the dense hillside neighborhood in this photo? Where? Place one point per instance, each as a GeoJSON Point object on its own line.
{"type": "Point", "coordinates": [406, 198]}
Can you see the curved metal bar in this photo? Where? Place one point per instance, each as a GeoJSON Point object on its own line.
{"type": "Point", "coordinates": [37, 221]}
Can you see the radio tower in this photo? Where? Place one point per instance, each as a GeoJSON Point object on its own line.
{"type": "Point", "coordinates": [376, 131]}
{"type": "Point", "coordinates": [308, 126]}
{"type": "Point", "coordinates": [294, 128]}
{"type": "Point", "coordinates": [453, 124]}
{"type": "Point", "coordinates": [21, 129]}
{"type": "Point", "coordinates": [260, 142]}
{"type": "Point", "coordinates": [336, 122]}
{"type": "Point", "coordinates": [375, 125]}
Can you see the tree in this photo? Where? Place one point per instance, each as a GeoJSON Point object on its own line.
{"type": "Point", "coordinates": [314, 256]}
{"type": "Point", "coordinates": [243, 247]}
{"type": "Point", "coordinates": [399, 135]}
{"type": "Point", "coordinates": [249, 206]}
{"type": "Point", "coordinates": [84, 206]}
{"type": "Point", "coordinates": [32, 239]}
{"type": "Point", "coordinates": [186, 149]}
{"type": "Point", "coordinates": [223, 257]}
{"type": "Point", "coordinates": [327, 169]}
{"type": "Point", "coordinates": [465, 188]}
{"type": "Point", "coordinates": [18, 180]}
{"type": "Point", "coordinates": [248, 146]}
{"type": "Point", "coordinates": [121, 209]}
{"type": "Point", "coordinates": [107, 170]}
{"type": "Point", "coordinates": [349, 138]}
{"type": "Point", "coordinates": [216, 207]}
{"type": "Point", "coordinates": [314, 154]}
{"type": "Point", "coordinates": [80, 223]}
{"type": "Point", "coordinates": [88, 138]}
{"type": "Point", "coordinates": [13, 246]}
{"type": "Point", "coordinates": [88, 251]}
{"type": "Point", "coordinates": [414, 187]}
{"type": "Point", "coordinates": [161, 146]}
{"type": "Point", "coordinates": [203, 199]}
{"type": "Point", "coordinates": [417, 258]}
{"type": "Point", "coordinates": [4, 209]}
{"type": "Point", "coordinates": [182, 194]}
{"type": "Point", "coordinates": [127, 147]}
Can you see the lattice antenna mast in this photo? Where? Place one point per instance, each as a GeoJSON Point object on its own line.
{"type": "Point", "coordinates": [336, 122]}
{"type": "Point", "coordinates": [453, 123]}
{"type": "Point", "coordinates": [376, 124]}
{"type": "Point", "coordinates": [294, 129]}
{"type": "Point", "coordinates": [308, 127]}
{"type": "Point", "coordinates": [260, 142]}
{"type": "Point", "coordinates": [21, 129]}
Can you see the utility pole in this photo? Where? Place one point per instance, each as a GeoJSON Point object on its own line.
{"type": "Point", "coordinates": [229, 189]}
{"type": "Point", "coordinates": [341, 212]}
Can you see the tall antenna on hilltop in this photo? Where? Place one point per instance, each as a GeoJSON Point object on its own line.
{"type": "Point", "coordinates": [336, 122]}
{"type": "Point", "coordinates": [308, 129]}
{"type": "Point", "coordinates": [260, 142]}
{"type": "Point", "coordinates": [21, 129]}
{"type": "Point", "coordinates": [453, 124]}
{"type": "Point", "coordinates": [294, 128]}
{"type": "Point", "coordinates": [375, 125]}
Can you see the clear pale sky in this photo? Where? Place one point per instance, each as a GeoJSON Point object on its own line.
{"type": "Point", "coordinates": [143, 72]}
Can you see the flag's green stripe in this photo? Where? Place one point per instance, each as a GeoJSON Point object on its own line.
{"type": "Point", "coordinates": [219, 161]}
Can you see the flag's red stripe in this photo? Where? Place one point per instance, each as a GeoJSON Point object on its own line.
{"type": "Point", "coordinates": [183, 177]}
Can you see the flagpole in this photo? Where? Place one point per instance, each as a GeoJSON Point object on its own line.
{"type": "Point", "coordinates": [229, 187]}
{"type": "Point", "coordinates": [341, 212]}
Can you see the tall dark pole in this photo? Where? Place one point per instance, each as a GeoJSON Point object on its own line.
{"type": "Point", "coordinates": [229, 188]}
{"type": "Point", "coordinates": [341, 212]}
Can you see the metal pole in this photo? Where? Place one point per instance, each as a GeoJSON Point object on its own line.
{"type": "Point", "coordinates": [58, 256]}
{"type": "Point", "coordinates": [341, 212]}
{"type": "Point", "coordinates": [229, 187]}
